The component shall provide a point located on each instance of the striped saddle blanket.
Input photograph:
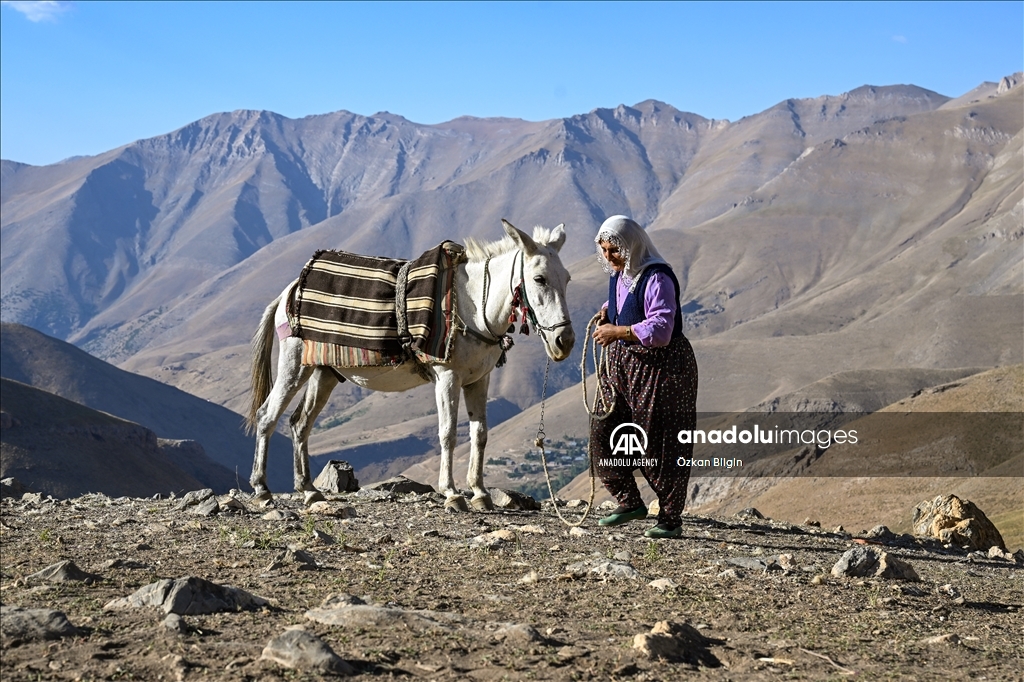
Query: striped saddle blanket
(348, 308)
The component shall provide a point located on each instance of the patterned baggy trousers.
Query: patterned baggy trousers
(655, 388)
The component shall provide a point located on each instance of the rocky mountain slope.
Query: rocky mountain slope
(60, 368)
(64, 449)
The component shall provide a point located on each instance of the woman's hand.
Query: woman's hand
(607, 333)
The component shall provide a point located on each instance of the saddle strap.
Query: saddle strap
(400, 306)
(402, 321)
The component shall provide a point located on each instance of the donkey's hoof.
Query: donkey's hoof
(456, 504)
(311, 496)
(482, 503)
(263, 498)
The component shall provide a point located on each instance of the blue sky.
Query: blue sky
(82, 78)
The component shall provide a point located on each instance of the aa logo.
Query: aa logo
(628, 439)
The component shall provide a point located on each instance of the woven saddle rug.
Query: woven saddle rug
(347, 308)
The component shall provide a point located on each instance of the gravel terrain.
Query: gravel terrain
(383, 585)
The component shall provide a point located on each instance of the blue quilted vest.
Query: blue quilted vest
(633, 307)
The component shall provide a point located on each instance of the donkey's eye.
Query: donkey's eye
(540, 280)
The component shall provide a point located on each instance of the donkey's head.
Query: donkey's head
(544, 280)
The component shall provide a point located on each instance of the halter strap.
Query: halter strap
(526, 301)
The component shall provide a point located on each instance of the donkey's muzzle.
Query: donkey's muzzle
(564, 342)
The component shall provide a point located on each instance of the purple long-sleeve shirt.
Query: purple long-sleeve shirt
(659, 309)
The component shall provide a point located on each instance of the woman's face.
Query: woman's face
(611, 254)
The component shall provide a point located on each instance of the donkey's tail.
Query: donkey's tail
(260, 379)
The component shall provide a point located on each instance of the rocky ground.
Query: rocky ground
(384, 585)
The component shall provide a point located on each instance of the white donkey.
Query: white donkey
(487, 283)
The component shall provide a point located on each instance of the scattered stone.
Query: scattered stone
(575, 504)
(322, 537)
(537, 530)
(207, 507)
(948, 590)
(513, 499)
(325, 508)
(881, 534)
(189, 596)
(293, 556)
(786, 562)
(662, 584)
(190, 499)
(18, 624)
(578, 532)
(749, 514)
(401, 485)
(675, 642)
(384, 539)
(337, 476)
(569, 652)
(863, 562)
(529, 578)
(494, 539)
(175, 624)
(624, 555)
(839, 530)
(334, 601)
(608, 570)
(814, 524)
(609, 505)
(231, 503)
(951, 520)
(301, 650)
(948, 639)
(124, 563)
(995, 552)
(62, 572)
(280, 515)
(518, 632)
(730, 573)
(371, 495)
(432, 533)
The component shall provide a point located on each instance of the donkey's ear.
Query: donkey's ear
(557, 237)
(522, 240)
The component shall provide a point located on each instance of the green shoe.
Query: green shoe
(621, 516)
(662, 531)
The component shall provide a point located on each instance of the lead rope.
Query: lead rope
(539, 442)
(603, 406)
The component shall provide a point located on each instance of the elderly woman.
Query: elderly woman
(650, 381)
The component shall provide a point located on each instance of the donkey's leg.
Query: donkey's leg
(290, 377)
(446, 392)
(318, 390)
(476, 405)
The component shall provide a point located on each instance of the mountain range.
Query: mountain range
(875, 230)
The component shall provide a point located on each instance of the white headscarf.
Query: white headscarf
(635, 248)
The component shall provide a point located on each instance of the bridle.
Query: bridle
(519, 300)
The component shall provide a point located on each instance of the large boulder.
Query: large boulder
(337, 477)
(957, 522)
(868, 562)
